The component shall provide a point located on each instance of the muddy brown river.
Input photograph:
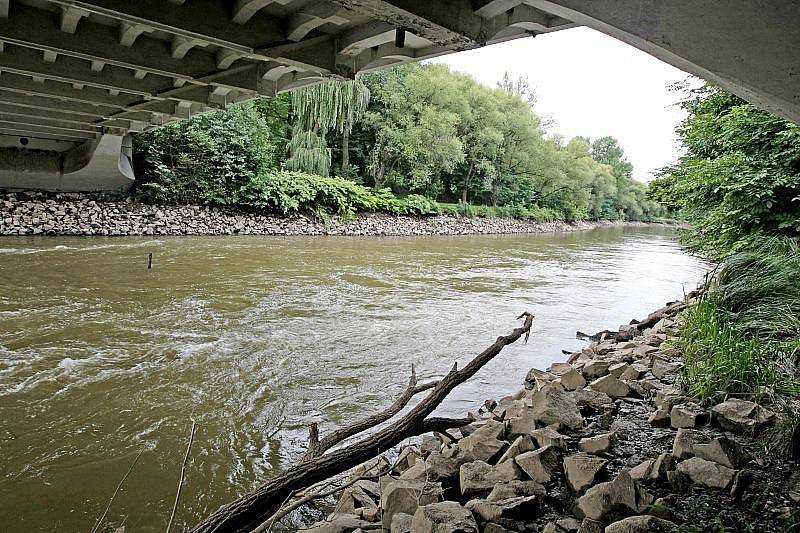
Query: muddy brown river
(255, 337)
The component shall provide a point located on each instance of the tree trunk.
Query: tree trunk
(467, 177)
(345, 148)
(379, 174)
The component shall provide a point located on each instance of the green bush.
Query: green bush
(203, 160)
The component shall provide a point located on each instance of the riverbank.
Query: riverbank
(607, 441)
(76, 214)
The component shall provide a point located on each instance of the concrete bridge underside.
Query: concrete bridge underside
(77, 77)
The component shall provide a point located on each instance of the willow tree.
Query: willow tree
(319, 109)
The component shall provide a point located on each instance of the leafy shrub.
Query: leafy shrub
(203, 160)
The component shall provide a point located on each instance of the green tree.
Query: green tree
(739, 177)
(319, 109)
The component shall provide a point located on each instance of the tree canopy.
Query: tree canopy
(740, 176)
(414, 130)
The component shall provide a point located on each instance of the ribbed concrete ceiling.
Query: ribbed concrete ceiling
(72, 70)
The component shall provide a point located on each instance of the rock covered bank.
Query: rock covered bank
(76, 214)
(605, 442)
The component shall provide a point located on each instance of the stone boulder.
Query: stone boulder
(598, 444)
(549, 436)
(553, 405)
(581, 470)
(524, 507)
(515, 489)
(480, 477)
(688, 415)
(653, 468)
(641, 524)
(596, 368)
(404, 496)
(401, 523)
(722, 450)
(444, 517)
(610, 386)
(572, 380)
(741, 416)
(521, 444)
(686, 440)
(593, 399)
(539, 465)
(707, 473)
(618, 495)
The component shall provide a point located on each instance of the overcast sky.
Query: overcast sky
(593, 85)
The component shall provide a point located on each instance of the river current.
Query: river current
(256, 337)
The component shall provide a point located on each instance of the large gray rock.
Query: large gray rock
(591, 398)
(723, 451)
(598, 444)
(590, 526)
(404, 496)
(480, 477)
(521, 444)
(515, 489)
(611, 386)
(540, 465)
(549, 436)
(641, 524)
(617, 495)
(581, 470)
(485, 442)
(741, 416)
(596, 368)
(553, 405)
(401, 523)
(686, 440)
(524, 507)
(444, 517)
(688, 415)
(653, 468)
(353, 498)
(572, 380)
(707, 473)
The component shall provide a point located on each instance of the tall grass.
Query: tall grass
(743, 337)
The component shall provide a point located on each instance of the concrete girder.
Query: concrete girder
(354, 40)
(205, 20)
(737, 50)
(449, 23)
(377, 56)
(58, 116)
(70, 16)
(44, 133)
(313, 16)
(128, 32)
(30, 27)
(46, 102)
(244, 10)
(59, 125)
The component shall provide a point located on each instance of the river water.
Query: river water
(255, 337)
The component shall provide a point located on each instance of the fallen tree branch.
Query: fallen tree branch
(252, 509)
(318, 447)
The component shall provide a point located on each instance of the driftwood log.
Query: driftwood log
(258, 506)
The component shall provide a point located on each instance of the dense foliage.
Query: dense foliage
(740, 176)
(739, 184)
(405, 134)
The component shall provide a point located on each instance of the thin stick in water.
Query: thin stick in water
(119, 486)
(183, 474)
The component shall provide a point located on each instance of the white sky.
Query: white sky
(590, 84)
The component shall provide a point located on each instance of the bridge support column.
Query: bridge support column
(103, 165)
